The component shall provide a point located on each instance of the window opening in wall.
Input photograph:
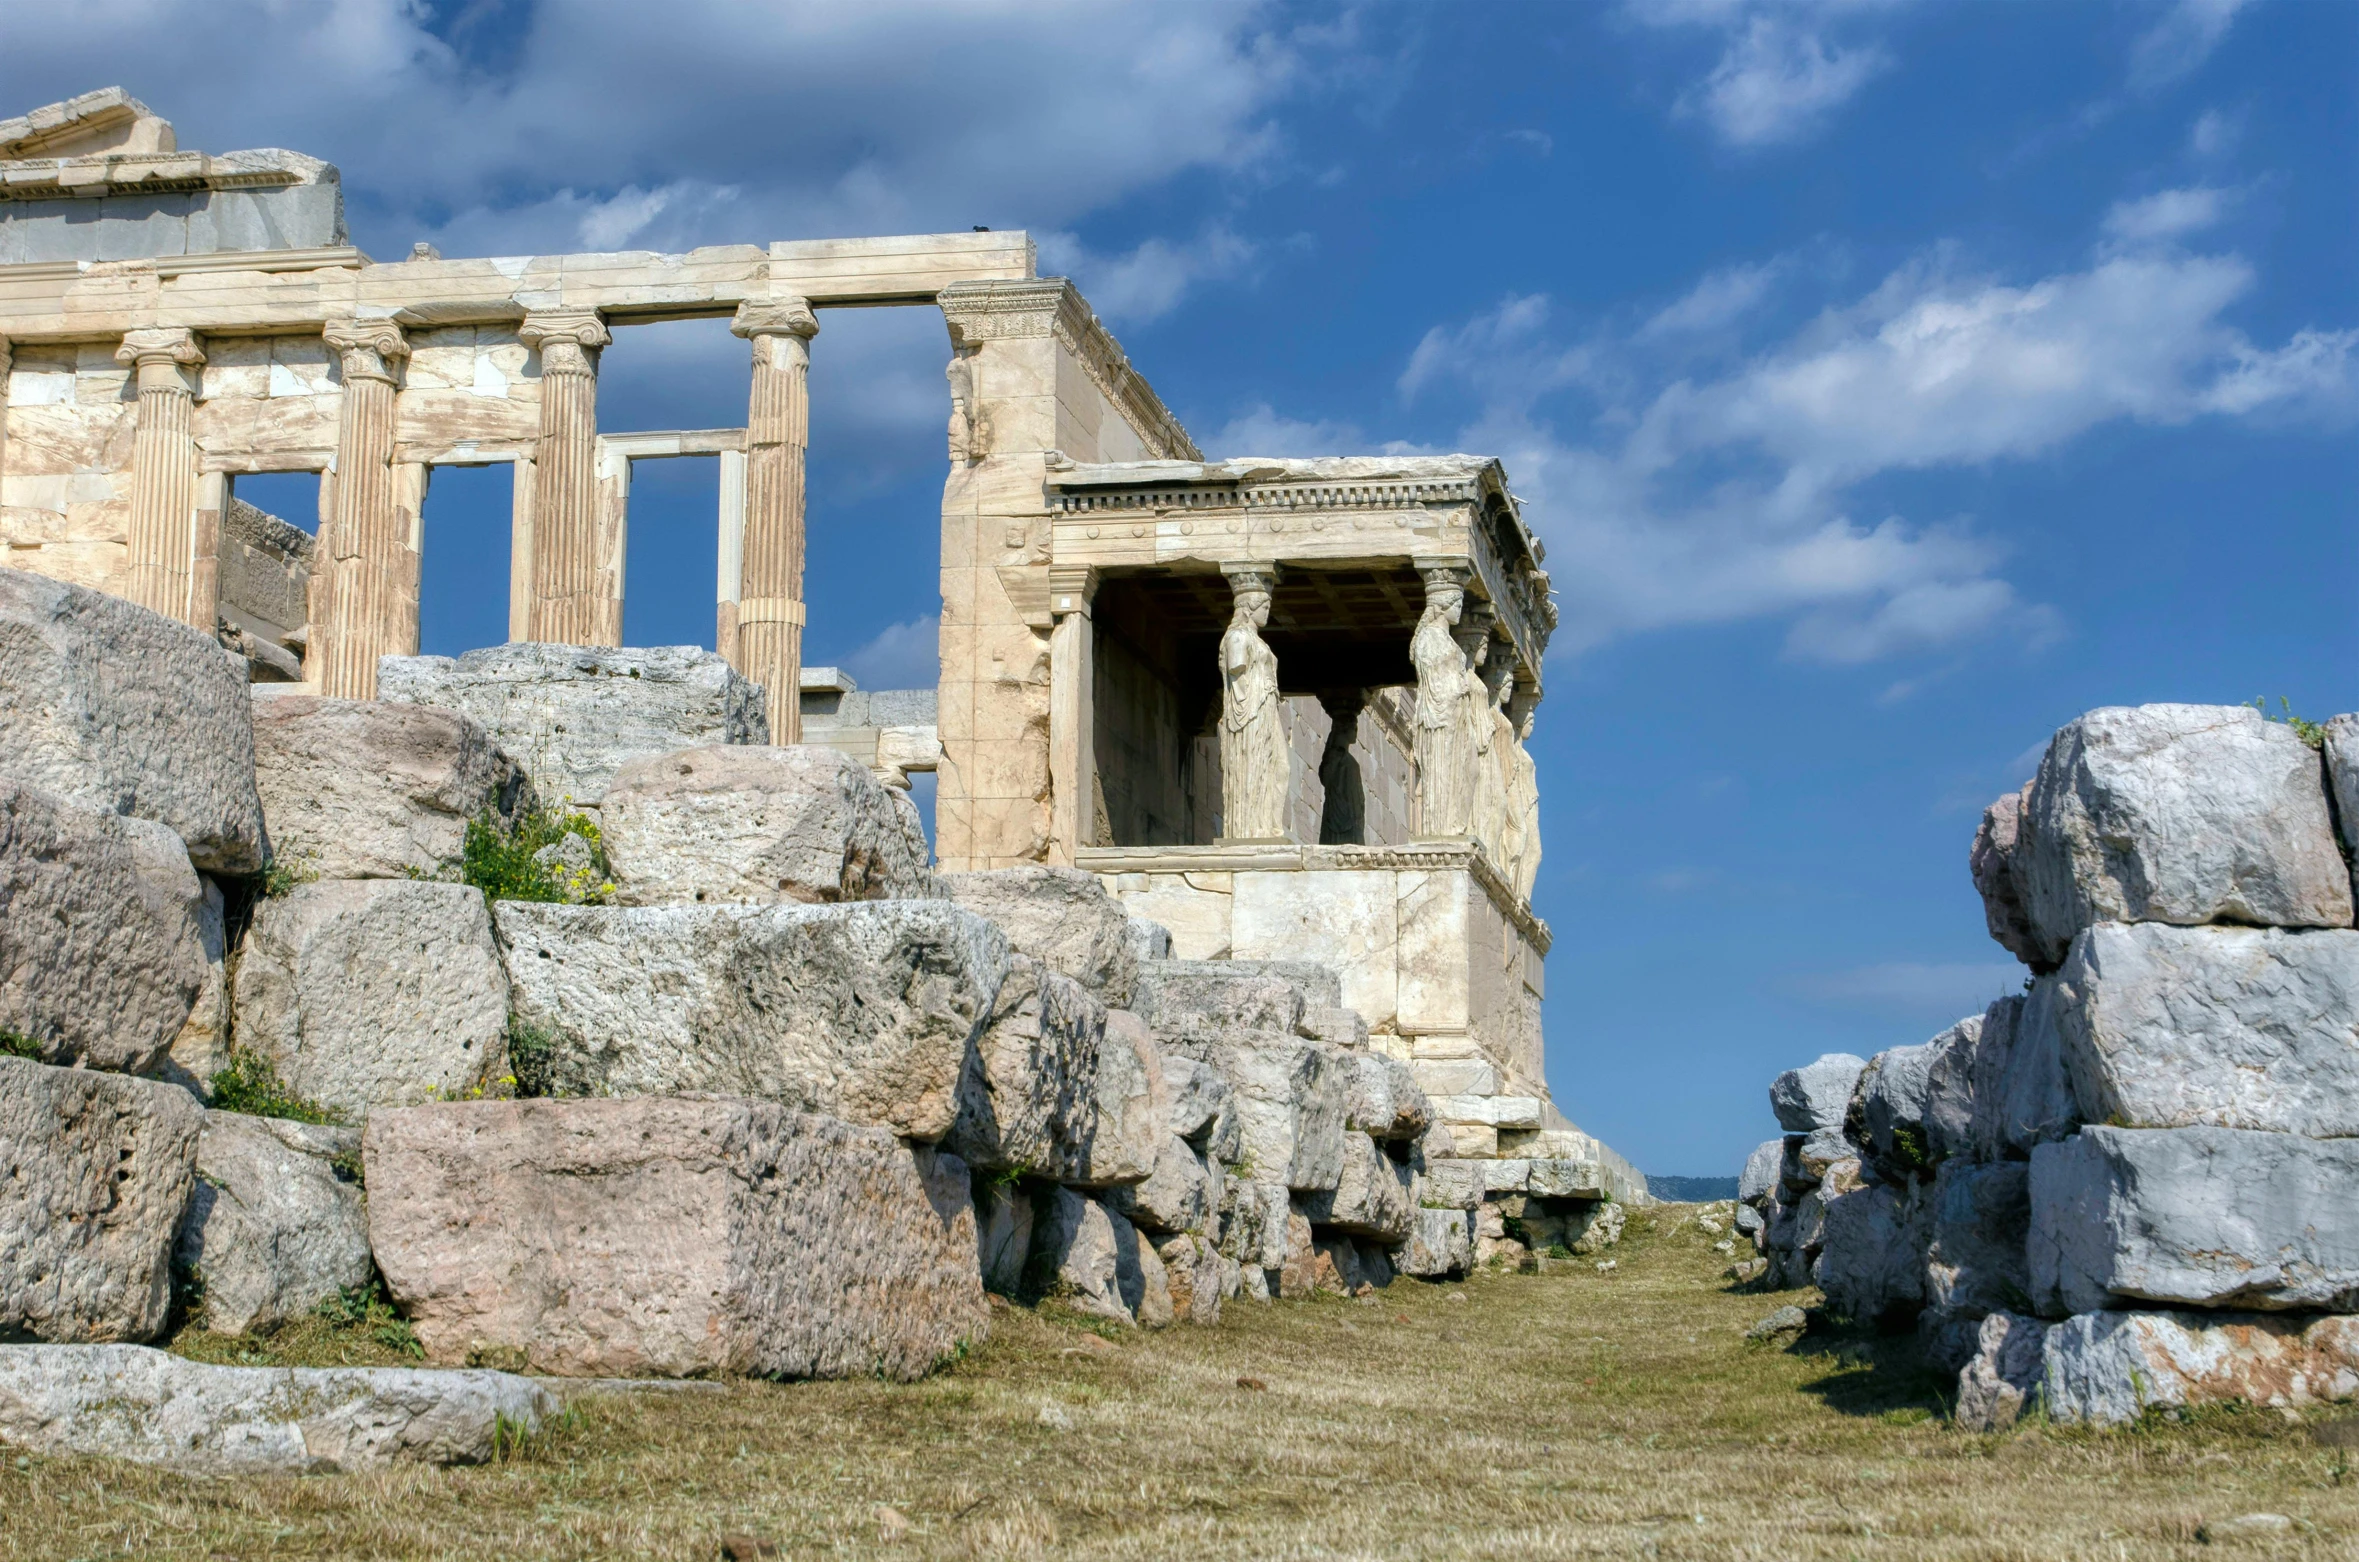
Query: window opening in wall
(671, 552)
(293, 497)
(467, 531)
(266, 555)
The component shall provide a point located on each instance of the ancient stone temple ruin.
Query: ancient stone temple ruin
(1232, 983)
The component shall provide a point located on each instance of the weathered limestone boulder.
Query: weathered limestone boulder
(200, 1049)
(369, 789)
(1183, 1193)
(1290, 1101)
(2010, 1088)
(1217, 998)
(1981, 1222)
(365, 993)
(2205, 1217)
(1199, 1107)
(102, 953)
(1077, 1255)
(745, 825)
(1370, 1199)
(1003, 1234)
(1146, 940)
(1254, 1227)
(2226, 1027)
(1759, 1179)
(1593, 1228)
(2110, 1367)
(2178, 813)
(1061, 917)
(675, 1237)
(1336, 1026)
(1382, 1098)
(1817, 1095)
(1058, 1087)
(273, 1227)
(1140, 1275)
(1197, 1276)
(2342, 779)
(865, 1011)
(1871, 1261)
(1992, 861)
(1998, 1384)
(134, 1402)
(1439, 1245)
(1886, 1118)
(95, 1170)
(125, 711)
(574, 715)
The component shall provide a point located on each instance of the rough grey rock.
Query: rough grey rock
(95, 1170)
(1949, 1089)
(2205, 1217)
(102, 953)
(1216, 998)
(133, 1402)
(1290, 1103)
(1254, 1225)
(1059, 1087)
(2342, 780)
(273, 1228)
(2225, 1027)
(1593, 1228)
(747, 825)
(1336, 1026)
(1076, 1255)
(1370, 1199)
(2108, 1368)
(126, 711)
(2021, 1095)
(201, 1049)
(1823, 1149)
(1817, 1095)
(1139, 1275)
(1200, 1107)
(1781, 1327)
(1003, 1234)
(1382, 1098)
(1146, 940)
(1996, 879)
(1981, 1222)
(1196, 1276)
(865, 1011)
(1440, 1244)
(1871, 1261)
(681, 1237)
(574, 715)
(1886, 1118)
(1061, 917)
(2178, 813)
(370, 789)
(1998, 1384)
(365, 993)
(1760, 1176)
(1183, 1193)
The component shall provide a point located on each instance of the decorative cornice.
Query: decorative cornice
(174, 344)
(1052, 306)
(778, 317)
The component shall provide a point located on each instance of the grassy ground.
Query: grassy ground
(1571, 1413)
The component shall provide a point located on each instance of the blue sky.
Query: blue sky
(1891, 381)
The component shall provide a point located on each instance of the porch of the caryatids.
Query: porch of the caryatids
(1255, 762)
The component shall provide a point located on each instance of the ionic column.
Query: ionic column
(372, 570)
(163, 468)
(769, 639)
(567, 562)
(1072, 699)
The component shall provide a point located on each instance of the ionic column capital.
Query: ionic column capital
(777, 317)
(564, 338)
(175, 345)
(365, 345)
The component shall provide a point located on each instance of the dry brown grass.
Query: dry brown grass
(1564, 1414)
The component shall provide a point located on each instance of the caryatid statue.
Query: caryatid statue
(1486, 788)
(1446, 756)
(1502, 821)
(1523, 790)
(1254, 761)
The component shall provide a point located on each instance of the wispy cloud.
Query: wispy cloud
(2181, 41)
(906, 655)
(1783, 70)
(2166, 214)
(1148, 282)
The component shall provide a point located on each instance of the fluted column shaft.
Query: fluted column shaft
(569, 571)
(163, 468)
(371, 564)
(769, 639)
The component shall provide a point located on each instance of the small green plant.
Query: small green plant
(531, 1053)
(251, 1085)
(504, 861)
(365, 1309)
(284, 874)
(1909, 1148)
(2309, 732)
(17, 1044)
(349, 1168)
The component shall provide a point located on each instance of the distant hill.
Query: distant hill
(1691, 1190)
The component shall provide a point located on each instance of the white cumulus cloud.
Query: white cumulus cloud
(1783, 68)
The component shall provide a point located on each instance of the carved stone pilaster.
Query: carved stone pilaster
(576, 577)
(163, 468)
(769, 618)
(372, 568)
(1072, 703)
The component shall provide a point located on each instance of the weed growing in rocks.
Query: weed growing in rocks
(366, 1309)
(2309, 732)
(548, 854)
(284, 875)
(16, 1044)
(531, 1050)
(251, 1085)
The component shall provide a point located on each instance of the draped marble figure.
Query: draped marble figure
(1478, 738)
(1445, 756)
(1253, 754)
(1523, 795)
(1502, 830)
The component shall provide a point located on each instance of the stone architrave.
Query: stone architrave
(769, 648)
(371, 567)
(163, 469)
(95, 1170)
(1343, 818)
(1255, 765)
(577, 571)
(1446, 761)
(672, 1237)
